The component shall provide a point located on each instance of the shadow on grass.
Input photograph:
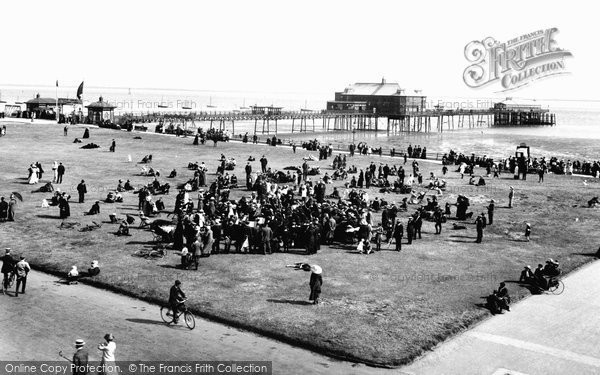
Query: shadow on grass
(593, 255)
(174, 266)
(462, 241)
(460, 236)
(46, 216)
(146, 321)
(289, 301)
(149, 243)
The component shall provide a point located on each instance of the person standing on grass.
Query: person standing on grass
(541, 171)
(82, 190)
(410, 230)
(12, 206)
(66, 130)
(490, 210)
(263, 164)
(479, 226)
(527, 231)
(316, 280)
(113, 146)
(3, 209)
(511, 195)
(22, 270)
(8, 266)
(54, 171)
(60, 171)
(266, 236)
(398, 234)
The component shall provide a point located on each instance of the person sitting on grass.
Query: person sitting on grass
(128, 186)
(527, 276)
(73, 275)
(94, 270)
(173, 174)
(95, 210)
(123, 229)
(499, 300)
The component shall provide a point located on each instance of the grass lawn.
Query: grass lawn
(383, 309)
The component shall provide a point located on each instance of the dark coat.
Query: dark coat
(8, 263)
(80, 361)
(316, 281)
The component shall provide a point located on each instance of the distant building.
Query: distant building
(45, 108)
(380, 98)
(266, 110)
(101, 112)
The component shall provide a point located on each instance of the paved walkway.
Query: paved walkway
(52, 315)
(544, 334)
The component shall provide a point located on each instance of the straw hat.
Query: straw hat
(79, 343)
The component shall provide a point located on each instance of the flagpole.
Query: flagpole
(57, 112)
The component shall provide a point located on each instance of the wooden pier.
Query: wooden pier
(310, 121)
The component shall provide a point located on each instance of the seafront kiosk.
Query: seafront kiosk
(101, 111)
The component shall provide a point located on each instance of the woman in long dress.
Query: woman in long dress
(108, 366)
(33, 175)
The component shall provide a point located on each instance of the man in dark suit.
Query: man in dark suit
(398, 234)
(263, 164)
(479, 225)
(82, 190)
(80, 358)
(3, 209)
(60, 172)
(266, 235)
(8, 265)
(491, 212)
(410, 230)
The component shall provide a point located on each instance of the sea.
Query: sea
(576, 134)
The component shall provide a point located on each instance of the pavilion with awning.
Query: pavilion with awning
(45, 108)
(100, 111)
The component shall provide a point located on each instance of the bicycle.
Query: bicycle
(166, 313)
(10, 282)
(555, 286)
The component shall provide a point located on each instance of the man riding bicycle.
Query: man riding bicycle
(8, 266)
(176, 298)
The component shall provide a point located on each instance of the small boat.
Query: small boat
(186, 107)
(210, 104)
(305, 109)
(162, 105)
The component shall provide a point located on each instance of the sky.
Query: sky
(283, 46)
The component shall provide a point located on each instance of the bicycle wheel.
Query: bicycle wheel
(11, 281)
(190, 321)
(557, 288)
(166, 314)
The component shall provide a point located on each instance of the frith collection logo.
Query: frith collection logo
(515, 63)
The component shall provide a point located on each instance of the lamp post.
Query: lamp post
(353, 133)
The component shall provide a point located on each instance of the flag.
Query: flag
(80, 91)
(56, 83)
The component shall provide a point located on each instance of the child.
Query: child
(378, 237)
(527, 231)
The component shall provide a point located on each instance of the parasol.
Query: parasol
(18, 195)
